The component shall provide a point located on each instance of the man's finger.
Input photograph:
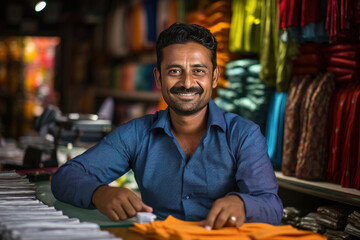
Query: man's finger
(208, 223)
(232, 220)
(120, 213)
(221, 219)
(112, 215)
(139, 205)
(129, 209)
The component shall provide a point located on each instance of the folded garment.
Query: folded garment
(329, 222)
(309, 222)
(335, 211)
(350, 229)
(354, 219)
(172, 228)
(337, 235)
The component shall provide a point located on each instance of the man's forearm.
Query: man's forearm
(72, 185)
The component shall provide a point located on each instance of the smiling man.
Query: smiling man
(193, 160)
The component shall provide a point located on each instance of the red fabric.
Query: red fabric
(348, 163)
(341, 71)
(338, 118)
(345, 78)
(311, 60)
(341, 20)
(351, 55)
(310, 12)
(299, 13)
(335, 61)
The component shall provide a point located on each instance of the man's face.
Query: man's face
(187, 77)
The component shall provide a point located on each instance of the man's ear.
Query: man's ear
(216, 75)
(157, 77)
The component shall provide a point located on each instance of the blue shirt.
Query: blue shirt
(231, 158)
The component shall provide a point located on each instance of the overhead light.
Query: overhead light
(40, 6)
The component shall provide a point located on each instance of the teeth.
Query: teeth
(186, 94)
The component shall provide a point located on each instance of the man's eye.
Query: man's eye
(174, 72)
(199, 72)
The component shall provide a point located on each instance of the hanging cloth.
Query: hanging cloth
(313, 144)
(348, 158)
(292, 126)
(245, 26)
(337, 118)
(276, 53)
(275, 128)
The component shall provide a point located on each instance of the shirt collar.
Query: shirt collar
(216, 118)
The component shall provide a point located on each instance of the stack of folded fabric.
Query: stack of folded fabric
(335, 235)
(291, 216)
(309, 61)
(245, 94)
(333, 216)
(353, 226)
(172, 228)
(308, 222)
(343, 60)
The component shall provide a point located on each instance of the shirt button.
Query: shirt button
(187, 197)
(187, 167)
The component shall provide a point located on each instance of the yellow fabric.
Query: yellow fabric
(172, 228)
(245, 26)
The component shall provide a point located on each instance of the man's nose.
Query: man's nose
(188, 80)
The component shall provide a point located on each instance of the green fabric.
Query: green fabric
(277, 49)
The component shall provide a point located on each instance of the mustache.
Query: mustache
(176, 90)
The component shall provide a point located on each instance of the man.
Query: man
(193, 161)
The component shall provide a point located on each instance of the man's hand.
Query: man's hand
(118, 203)
(228, 211)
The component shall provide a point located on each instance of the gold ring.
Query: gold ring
(232, 219)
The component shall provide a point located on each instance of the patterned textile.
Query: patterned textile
(313, 142)
(296, 93)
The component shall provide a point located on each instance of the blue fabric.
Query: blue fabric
(151, 9)
(230, 159)
(275, 128)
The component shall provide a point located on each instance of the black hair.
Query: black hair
(181, 33)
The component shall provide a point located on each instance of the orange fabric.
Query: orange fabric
(172, 228)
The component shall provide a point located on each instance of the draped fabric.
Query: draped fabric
(344, 162)
(277, 48)
(293, 123)
(245, 26)
(343, 20)
(313, 145)
(275, 128)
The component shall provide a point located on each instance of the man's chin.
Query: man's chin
(187, 111)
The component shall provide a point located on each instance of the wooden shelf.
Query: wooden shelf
(326, 190)
(129, 95)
